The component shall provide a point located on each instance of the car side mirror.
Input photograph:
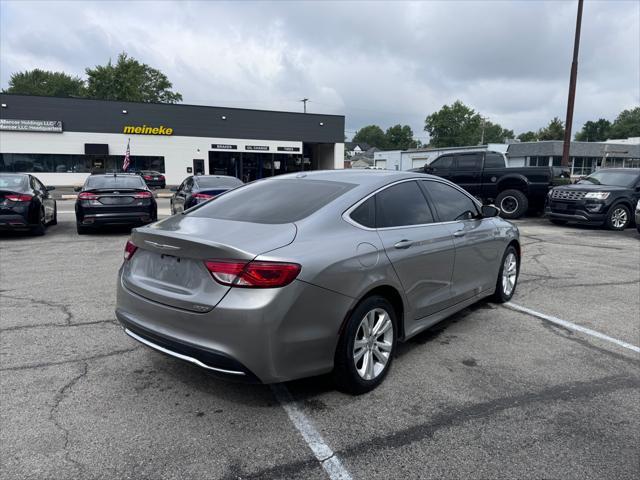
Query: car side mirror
(49, 188)
(173, 189)
(428, 169)
(77, 189)
(490, 211)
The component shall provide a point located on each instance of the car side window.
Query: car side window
(36, 185)
(365, 214)
(443, 162)
(494, 160)
(401, 205)
(450, 203)
(188, 184)
(470, 161)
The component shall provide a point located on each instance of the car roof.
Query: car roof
(363, 177)
(625, 170)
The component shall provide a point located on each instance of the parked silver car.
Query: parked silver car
(314, 272)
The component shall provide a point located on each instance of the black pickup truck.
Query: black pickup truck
(485, 175)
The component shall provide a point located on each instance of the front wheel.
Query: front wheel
(512, 204)
(54, 220)
(365, 349)
(618, 218)
(41, 226)
(508, 276)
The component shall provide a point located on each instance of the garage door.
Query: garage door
(381, 163)
(418, 162)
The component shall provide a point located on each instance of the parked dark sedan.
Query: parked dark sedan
(606, 197)
(153, 179)
(25, 204)
(114, 199)
(200, 188)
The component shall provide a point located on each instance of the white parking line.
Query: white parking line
(329, 461)
(572, 326)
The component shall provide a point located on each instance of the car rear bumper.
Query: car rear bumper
(270, 335)
(14, 222)
(120, 218)
(156, 183)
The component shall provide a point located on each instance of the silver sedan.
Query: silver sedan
(315, 272)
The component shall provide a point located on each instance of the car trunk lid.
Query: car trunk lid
(169, 265)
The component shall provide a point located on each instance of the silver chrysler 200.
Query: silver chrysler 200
(315, 272)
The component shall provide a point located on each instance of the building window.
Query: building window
(582, 166)
(52, 163)
(557, 161)
(539, 161)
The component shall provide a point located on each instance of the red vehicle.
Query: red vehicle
(153, 179)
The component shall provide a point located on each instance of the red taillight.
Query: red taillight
(143, 195)
(202, 196)
(147, 177)
(129, 249)
(87, 196)
(18, 197)
(255, 274)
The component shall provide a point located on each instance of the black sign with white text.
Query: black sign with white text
(262, 148)
(225, 146)
(288, 149)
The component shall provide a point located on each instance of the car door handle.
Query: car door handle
(403, 244)
(460, 233)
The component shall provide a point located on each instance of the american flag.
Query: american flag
(127, 160)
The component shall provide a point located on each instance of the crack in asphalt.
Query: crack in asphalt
(64, 362)
(454, 417)
(57, 399)
(57, 325)
(64, 308)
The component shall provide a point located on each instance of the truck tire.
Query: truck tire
(512, 204)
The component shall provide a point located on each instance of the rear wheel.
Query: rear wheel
(512, 203)
(365, 349)
(618, 218)
(40, 228)
(507, 276)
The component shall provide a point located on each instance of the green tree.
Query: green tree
(399, 137)
(553, 131)
(43, 82)
(597, 131)
(494, 133)
(627, 124)
(528, 136)
(453, 126)
(129, 80)
(371, 134)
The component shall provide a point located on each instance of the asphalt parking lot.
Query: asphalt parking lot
(490, 393)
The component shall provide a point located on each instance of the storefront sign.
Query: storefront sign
(48, 126)
(262, 148)
(288, 149)
(219, 146)
(148, 130)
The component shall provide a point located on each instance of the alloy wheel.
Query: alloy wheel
(619, 218)
(373, 344)
(509, 273)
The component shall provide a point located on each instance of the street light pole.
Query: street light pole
(572, 90)
(304, 101)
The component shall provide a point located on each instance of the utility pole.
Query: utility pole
(304, 101)
(572, 90)
(482, 135)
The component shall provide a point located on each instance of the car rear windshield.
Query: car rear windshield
(212, 182)
(15, 183)
(110, 181)
(273, 201)
(617, 178)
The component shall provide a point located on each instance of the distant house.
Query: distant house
(355, 148)
(361, 161)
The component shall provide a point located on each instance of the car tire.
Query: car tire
(81, 229)
(555, 221)
(351, 371)
(41, 227)
(618, 217)
(506, 284)
(54, 220)
(512, 204)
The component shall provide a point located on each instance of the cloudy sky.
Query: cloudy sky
(375, 62)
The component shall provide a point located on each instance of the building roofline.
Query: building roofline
(190, 105)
